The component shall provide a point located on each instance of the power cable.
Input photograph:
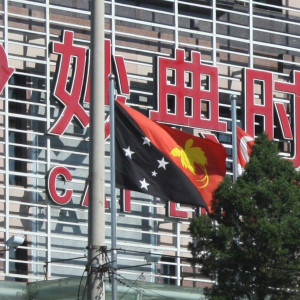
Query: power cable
(130, 287)
(79, 287)
(100, 269)
(146, 289)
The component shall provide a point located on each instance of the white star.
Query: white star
(162, 163)
(144, 184)
(128, 152)
(146, 141)
(154, 173)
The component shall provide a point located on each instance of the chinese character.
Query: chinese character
(72, 89)
(188, 93)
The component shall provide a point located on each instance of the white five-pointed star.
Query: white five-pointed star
(146, 141)
(154, 173)
(128, 152)
(162, 163)
(144, 184)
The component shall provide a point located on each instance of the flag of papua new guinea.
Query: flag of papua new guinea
(171, 164)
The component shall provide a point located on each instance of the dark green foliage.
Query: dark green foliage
(250, 243)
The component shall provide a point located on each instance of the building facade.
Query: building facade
(246, 48)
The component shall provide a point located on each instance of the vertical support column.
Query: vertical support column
(113, 27)
(178, 260)
(113, 187)
(176, 24)
(6, 139)
(96, 213)
(214, 28)
(251, 34)
(233, 99)
(177, 223)
(153, 226)
(48, 241)
(114, 257)
(48, 151)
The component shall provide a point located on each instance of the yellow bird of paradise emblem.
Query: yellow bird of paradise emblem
(189, 156)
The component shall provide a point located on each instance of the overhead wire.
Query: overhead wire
(144, 288)
(106, 268)
(129, 287)
(79, 287)
(101, 269)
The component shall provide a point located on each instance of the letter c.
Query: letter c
(64, 198)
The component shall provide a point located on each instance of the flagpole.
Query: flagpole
(96, 213)
(113, 187)
(233, 99)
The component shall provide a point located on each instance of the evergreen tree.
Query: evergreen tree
(250, 243)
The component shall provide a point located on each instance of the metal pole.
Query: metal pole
(175, 7)
(96, 216)
(251, 34)
(178, 259)
(233, 99)
(113, 188)
(214, 26)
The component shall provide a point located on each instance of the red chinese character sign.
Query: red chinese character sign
(69, 94)
(73, 90)
(5, 71)
(187, 96)
(294, 90)
(259, 101)
(184, 88)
